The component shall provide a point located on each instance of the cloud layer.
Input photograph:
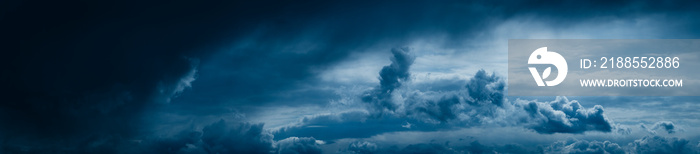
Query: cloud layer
(94, 76)
(394, 107)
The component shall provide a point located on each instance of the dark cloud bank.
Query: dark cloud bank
(81, 76)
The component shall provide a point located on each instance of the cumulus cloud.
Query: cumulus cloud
(667, 126)
(480, 100)
(660, 144)
(564, 116)
(391, 77)
(485, 89)
(583, 146)
(296, 145)
(363, 147)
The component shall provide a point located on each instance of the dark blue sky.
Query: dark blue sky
(320, 77)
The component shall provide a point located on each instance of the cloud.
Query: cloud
(168, 91)
(277, 53)
(96, 72)
(667, 126)
(295, 145)
(660, 144)
(218, 137)
(355, 124)
(476, 147)
(564, 116)
(480, 100)
(646, 144)
(407, 125)
(427, 148)
(485, 89)
(239, 138)
(394, 103)
(363, 147)
(186, 141)
(227, 137)
(93, 111)
(390, 78)
(583, 146)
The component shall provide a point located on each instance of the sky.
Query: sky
(320, 77)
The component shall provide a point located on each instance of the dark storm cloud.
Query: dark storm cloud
(244, 138)
(292, 42)
(441, 110)
(484, 96)
(219, 137)
(390, 78)
(293, 47)
(223, 137)
(80, 70)
(86, 72)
